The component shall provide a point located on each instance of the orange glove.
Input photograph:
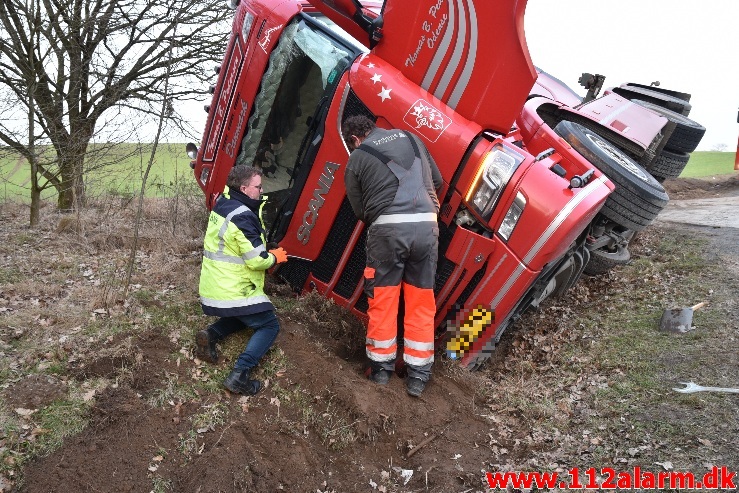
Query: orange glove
(280, 255)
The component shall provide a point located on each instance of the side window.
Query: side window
(303, 64)
(301, 67)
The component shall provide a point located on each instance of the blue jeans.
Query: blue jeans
(265, 326)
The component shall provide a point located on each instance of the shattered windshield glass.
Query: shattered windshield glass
(303, 64)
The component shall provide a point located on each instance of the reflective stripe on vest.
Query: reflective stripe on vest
(381, 344)
(413, 360)
(254, 252)
(419, 346)
(418, 217)
(224, 226)
(222, 257)
(234, 303)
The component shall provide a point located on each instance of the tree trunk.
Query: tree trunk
(35, 206)
(71, 166)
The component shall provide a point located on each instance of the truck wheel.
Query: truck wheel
(638, 197)
(687, 134)
(603, 260)
(664, 100)
(668, 165)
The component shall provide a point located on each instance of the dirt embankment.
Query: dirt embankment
(155, 419)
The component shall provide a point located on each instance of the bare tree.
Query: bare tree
(74, 64)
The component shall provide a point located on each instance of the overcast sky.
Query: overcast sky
(689, 46)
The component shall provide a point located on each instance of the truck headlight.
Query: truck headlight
(204, 174)
(495, 171)
(512, 216)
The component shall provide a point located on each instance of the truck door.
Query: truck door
(303, 71)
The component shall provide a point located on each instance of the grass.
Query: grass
(40, 433)
(118, 171)
(704, 164)
(616, 373)
(115, 169)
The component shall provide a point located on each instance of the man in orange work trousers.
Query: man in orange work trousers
(391, 183)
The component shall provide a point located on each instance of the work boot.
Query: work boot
(414, 386)
(238, 382)
(380, 376)
(206, 347)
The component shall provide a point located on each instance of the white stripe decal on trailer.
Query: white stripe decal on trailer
(464, 79)
(441, 52)
(456, 55)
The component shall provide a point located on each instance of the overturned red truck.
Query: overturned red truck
(540, 185)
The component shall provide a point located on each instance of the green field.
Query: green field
(118, 170)
(705, 164)
(114, 170)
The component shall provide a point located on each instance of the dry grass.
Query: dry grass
(589, 379)
(586, 380)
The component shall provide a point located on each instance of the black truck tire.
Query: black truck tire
(668, 165)
(638, 197)
(664, 100)
(602, 260)
(687, 134)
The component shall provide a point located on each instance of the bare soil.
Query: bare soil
(157, 420)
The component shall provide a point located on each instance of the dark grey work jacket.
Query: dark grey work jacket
(372, 186)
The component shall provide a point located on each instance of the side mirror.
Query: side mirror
(191, 150)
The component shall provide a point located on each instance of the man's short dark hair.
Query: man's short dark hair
(241, 175)
(358, 125)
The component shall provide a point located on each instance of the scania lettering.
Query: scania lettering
(311, 215)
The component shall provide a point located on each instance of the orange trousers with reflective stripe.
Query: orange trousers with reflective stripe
(401, 258)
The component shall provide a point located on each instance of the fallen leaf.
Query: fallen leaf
(667, 465)
(87, 396)
(406, 474)
(25, 412)
(38, 431)
(707, 443)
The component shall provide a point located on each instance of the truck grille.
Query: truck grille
(354, 269)
(471, 285)
(325, 265)
(295, 273)
(354, 106)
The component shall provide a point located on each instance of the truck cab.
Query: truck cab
(521, 205)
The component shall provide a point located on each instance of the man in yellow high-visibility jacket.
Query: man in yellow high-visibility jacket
(235, 259)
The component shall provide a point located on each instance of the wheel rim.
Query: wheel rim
(619, 157)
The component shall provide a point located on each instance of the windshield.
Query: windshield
(302, 66)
